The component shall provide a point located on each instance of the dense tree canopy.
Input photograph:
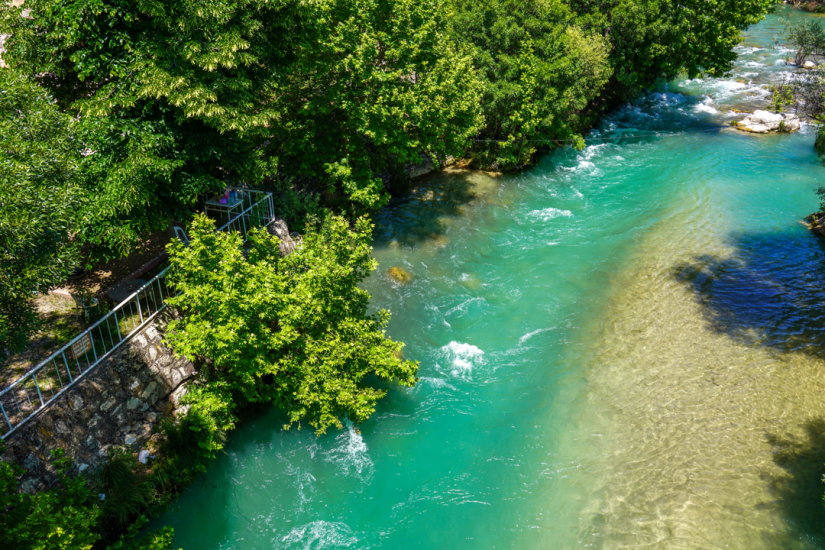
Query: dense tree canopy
(540, 71)
(330, 92)
(652, 39)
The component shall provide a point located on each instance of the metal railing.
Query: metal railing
(259, 213)
(35, 390)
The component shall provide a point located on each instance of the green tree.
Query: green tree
(540, 71)
(291, 331)
(652, 39)
(39, 202)
(325, 93)
(809, 39)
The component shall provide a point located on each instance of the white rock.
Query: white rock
(143, 456)
(763, 122)
(809, 65)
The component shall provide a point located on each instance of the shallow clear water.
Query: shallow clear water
(621, 347)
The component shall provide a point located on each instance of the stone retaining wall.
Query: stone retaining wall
(119, 403)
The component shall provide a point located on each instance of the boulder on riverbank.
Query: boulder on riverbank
(763, 122)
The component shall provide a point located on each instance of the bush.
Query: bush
(809, 39)
(72, 514)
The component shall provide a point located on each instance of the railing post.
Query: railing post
(140, 311)
(92, 340)
(63, 353)
(57, 372)
(2, 408)
(36, 385)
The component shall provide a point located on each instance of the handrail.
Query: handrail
(91, 347)
(65, 367)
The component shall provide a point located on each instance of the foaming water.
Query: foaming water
(620, 348)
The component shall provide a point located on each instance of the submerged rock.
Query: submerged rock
(399, 275)
(816, 223)
(763, 122)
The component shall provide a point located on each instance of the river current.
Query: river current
(621, 347)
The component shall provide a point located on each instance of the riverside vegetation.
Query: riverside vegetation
(806, 93)
(118, 114)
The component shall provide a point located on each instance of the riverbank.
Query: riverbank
(811, 6)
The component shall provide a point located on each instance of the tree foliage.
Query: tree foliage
(809, 39)
(39, 201)
(806, 93)
(60, 518)
(328, 91)
(549, 67)
(292, 331)
(71, 515)
(652, 39)
(539, 69)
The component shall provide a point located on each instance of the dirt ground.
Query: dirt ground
(104, 276)
(62, 321)
(60, 324)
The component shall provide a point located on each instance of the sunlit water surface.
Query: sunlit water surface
(620, 348)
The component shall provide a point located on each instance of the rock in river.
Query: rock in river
(399, 275)
(763, 122)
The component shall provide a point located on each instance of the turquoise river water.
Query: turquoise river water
(621, 347)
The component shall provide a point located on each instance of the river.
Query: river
(621, 347)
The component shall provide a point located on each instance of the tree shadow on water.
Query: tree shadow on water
(799, 491)
(422, 214)
(770, 291)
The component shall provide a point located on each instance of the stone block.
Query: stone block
(149, 389)
(133, 403)
(108, 404)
